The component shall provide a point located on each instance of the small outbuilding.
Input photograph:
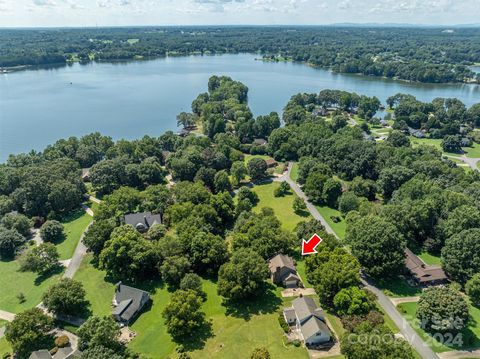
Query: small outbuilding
(86, 174)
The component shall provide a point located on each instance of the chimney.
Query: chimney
(145, 220)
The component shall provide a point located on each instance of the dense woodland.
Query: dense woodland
(392, 196)
(424, 55)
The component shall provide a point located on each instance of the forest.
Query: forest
(429, 55)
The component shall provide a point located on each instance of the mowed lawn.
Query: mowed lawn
(339, 227)
(472, 331)
(282, 206)
(14, 282)
(99, 292)
(74, 227)
(4, 347)
(473, 151)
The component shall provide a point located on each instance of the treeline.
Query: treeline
(422, 55)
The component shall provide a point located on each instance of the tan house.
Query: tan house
(422, 273)
(282, 271)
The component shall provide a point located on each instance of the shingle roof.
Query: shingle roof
(130, 301)
(63, 353)
(147, 219)
(40, 354)
(280, 260)
(313, 326)
(304, 307)
(422, 272)
(289, 314)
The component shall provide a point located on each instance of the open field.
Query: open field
(473, 152)
(74, 227)
(282, 206)
(14, 282)
(4, 347)
(398, 287)
(470, 335)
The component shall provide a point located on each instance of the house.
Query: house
(283, 271)
(259, 142)
(422, 273)
(466, 142)
(384, 123)
(309, 321)
(86, 174)
(271, 163)
(142, 221)
(62, 353)
(416, 133)
(128, 302)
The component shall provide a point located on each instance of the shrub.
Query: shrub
(283, 323)
(52, 231)
(62, 341)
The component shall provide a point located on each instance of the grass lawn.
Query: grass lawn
(282, 206)
(4, 347)
(473, 151)
(429, 259)
(74, 227)
(398, 287)
(13, 282)
(408, 310)
(247, 158)
(339, 227)
(99, 292)
(294, 172)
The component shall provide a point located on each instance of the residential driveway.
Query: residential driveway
(6, 315)
(407, 331)
(78, 255)
(460, 354)
(397, 301)
(296, 292)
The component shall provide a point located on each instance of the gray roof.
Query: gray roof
(313, 326)
(280, 260)
(40, 354)
(260, 141)
(129, 301)
(292, 276)
(63, 353)
(147, 219)
(304, 307)
(289, 314)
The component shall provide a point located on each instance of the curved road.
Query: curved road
(407, 331)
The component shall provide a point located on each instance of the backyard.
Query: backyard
(74, 226)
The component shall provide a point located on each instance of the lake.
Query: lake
(131, 99)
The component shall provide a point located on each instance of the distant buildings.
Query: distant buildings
(422, 273)
(259, 142)
(416, 133)
(309, 322)
(271, 163)
(283, 271)
(128, 302)
(142, 221)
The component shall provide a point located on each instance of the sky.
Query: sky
(47, 13)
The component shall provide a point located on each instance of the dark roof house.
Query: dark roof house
(283, 271)
(128, 302)
(422, 273)
(309, 321)
(62, 353)
(271, 162)
(142, 221)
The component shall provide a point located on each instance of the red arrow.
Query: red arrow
(309, 247)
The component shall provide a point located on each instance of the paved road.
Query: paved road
(6, 315)
(78, 255)
(407, 331)
(471, 161)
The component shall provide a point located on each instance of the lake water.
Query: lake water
(129, 100)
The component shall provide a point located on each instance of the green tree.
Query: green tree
(99, 331)
(208, 252)
(243, 275)
(129, 256)
(98, 234)
(185, 119)
(257, 168)
(42, 259)
(314, 187)
(282, 190)
(452, 143)
(64, 196)
(174, 268)
(391, 178)
(460, 255)
(299, 205)
(352, 301)
(156, 232)
(442, 309)
(348, 202)
(17, 222)
(332, 190)
(182, 315)
(398, 139)
(238, 172)
(29, 331)
(247, 193)
(222, 182)
(364, 188)
(378, 245)
(65, 297)
(52, 231)
(10, 242)
(472, 288)
(100, 352)
(192, 281)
